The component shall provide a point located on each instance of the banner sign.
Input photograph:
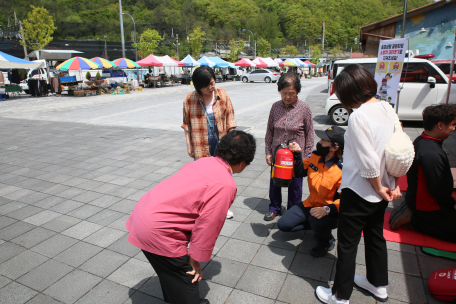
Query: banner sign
(390, 60)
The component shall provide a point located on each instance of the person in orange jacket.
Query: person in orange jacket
(323, 169)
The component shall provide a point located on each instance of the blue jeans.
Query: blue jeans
(294, 195)
(212, 140)
(299, 218)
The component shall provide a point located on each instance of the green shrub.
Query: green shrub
(98, 76)
(88, 75)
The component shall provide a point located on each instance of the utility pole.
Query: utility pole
(106, 49)
(177, 46)
(134, 28)
(323, 35)
(121, 29)
(404, 17)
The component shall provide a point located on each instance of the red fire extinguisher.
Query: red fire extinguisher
(282, 165)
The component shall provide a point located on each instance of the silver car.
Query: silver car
(261, 75)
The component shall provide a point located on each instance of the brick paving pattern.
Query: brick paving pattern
(66, 190)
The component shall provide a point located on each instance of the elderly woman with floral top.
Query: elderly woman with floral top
(289, 118)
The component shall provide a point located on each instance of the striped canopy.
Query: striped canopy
(103, 62)
(77, 63)
(288, 62)
(260, 62)
(150, 60)
(244, 62)
(311, 64)
(206, 61)
(125, 63)
(190, 62)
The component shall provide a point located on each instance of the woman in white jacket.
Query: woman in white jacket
(366, 188)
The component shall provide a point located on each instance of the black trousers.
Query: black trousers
(357, 215)
(298, 218)
(176, 284)
(440, 224)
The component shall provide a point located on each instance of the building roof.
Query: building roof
(371, 34)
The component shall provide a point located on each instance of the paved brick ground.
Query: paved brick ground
(66, 190)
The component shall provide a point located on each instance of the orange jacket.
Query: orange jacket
(323, 181)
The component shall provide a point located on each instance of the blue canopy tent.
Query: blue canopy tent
(220, 63)
(11, 62)
(190, 62)
(206, 61)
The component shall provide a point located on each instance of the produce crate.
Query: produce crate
(77, 93)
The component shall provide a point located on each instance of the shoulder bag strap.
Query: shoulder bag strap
(208, 121)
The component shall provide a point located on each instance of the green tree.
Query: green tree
(148, 43)
(88, 75)
(235, 50)
(263, 47)
(315, 53)
(197, 37)
(37, 28)
(336, 52)
(289, 51)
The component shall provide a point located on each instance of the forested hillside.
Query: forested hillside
(278, 21)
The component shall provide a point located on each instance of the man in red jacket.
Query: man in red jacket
(430, 182)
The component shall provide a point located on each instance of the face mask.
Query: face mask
(323, 151)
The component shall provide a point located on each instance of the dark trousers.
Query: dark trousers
(294, 194)
(357, 215)
(299, 218)
(440, 224)
(175, 283)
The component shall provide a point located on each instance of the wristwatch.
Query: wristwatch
(327, 209)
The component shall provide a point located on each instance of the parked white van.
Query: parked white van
(423, 84)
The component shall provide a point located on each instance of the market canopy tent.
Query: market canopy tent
(311, 64)
(168, 61)
(103, 62)
(245, 63)
(206, 61)
(11, 62)
(190, 62)
(220, 63)
(265, 62)
(125, 63)
(77, 63)
(303, 64)
(287, 63)
(150, 60)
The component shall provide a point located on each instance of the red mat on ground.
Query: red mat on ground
(413, 237)
(402, 181)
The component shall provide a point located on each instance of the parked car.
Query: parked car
(423, 83)
(445, 66)
(261, 75)
(110, 73)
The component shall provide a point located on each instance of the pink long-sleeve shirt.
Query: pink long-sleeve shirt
(190, 206)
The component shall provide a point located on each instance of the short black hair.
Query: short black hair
(236, 147)
(434, 114)
(202, 77)
(289, 79)
(355, 85)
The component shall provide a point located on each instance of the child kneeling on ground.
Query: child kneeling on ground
(320, 210)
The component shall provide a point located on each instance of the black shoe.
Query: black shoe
(319, 251)
(271, 215)
(204, 301)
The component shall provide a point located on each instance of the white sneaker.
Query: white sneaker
(230, 214)
(325, 295)
(378, 293)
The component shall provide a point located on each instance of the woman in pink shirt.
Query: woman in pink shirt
(189, 207)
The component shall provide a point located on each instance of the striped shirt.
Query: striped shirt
(294, 121)
(195, 120)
